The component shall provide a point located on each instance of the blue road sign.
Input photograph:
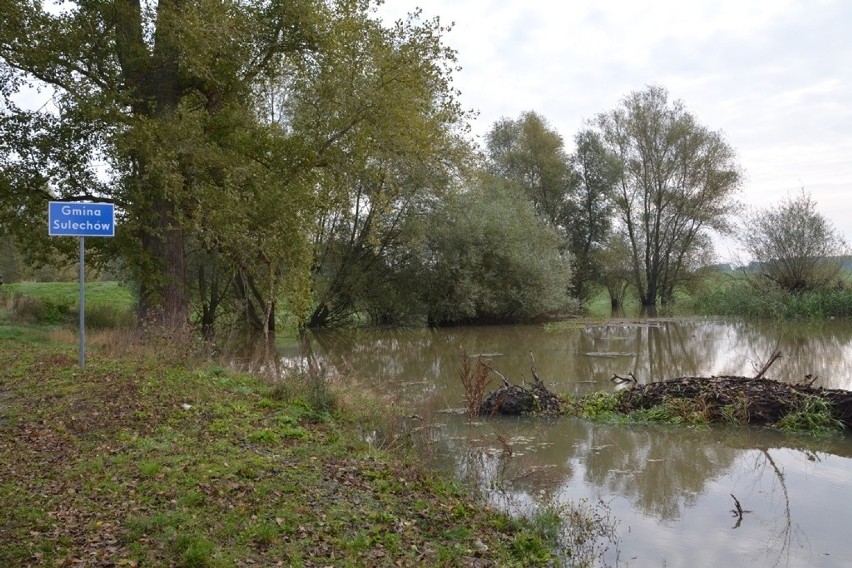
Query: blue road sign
(80, 219)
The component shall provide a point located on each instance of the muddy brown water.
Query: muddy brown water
(666, 492)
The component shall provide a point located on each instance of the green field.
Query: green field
(735, 294)
(113, 294)
(108, 304)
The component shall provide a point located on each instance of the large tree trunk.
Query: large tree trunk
(163, 299)
(153, 81)
(211, 290)
(648, 295)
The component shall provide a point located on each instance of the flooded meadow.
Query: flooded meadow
(661, 495)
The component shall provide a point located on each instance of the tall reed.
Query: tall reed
(474, 378)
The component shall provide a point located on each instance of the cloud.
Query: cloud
(774, 75)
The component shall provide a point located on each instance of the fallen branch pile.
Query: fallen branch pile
(754, 400)
(515, 400)
(726, 399)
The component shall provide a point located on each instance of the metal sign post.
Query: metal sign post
(82, 302)
(67, 219)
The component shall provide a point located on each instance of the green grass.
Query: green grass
(732, 294)
(108, 304)
(735, 295)
(97, 293)
(599, 306)
(144, 460)
(813, 416)
(22, 334)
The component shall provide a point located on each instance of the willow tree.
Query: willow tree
(151, 109)
(793, 245)
(490, 258)
(384, 95)
(587, 218)
(677, 181)
(572, 193)
(531, 154)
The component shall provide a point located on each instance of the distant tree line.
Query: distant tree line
(273, 159)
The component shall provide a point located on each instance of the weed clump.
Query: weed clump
(46, 311)
(475, 377)
(813, 415)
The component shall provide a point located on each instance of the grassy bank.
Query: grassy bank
(142, 461)
(743, 300)
(108, 304)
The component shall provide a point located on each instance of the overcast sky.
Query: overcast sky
(775, 76)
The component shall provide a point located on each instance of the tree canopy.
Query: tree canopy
(677, 181)
(587, 218)
(390, 91)
(243, 142)
(793, 245)
(530, 154)
(489, 258)
(303, 157)
(151, 110)
(572, 193)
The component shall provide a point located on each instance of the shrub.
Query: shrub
(490, 259)
(794, 246)
(40, 310)
(599, 405)
(108, 317)
(474, 378)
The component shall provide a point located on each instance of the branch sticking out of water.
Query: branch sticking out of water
(738, 512)
(532, 368)
(507, 447)
(618, 379)
(775, 356)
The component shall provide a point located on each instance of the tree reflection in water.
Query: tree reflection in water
(670, 486)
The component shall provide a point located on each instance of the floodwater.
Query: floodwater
(662, 496)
